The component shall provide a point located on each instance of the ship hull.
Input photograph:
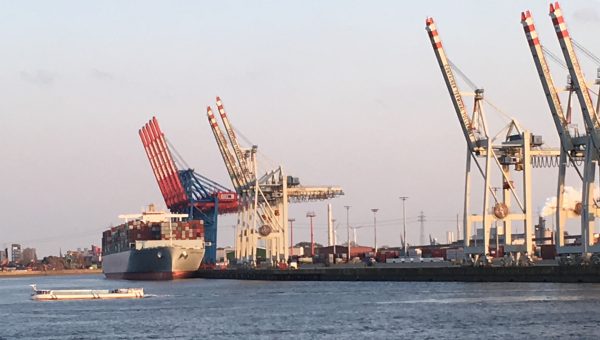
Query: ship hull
(155, 263)
(150, 276)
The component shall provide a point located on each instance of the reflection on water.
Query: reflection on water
(197, 308)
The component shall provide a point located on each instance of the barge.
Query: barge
(85, 294)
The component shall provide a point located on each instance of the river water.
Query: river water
(222, 309)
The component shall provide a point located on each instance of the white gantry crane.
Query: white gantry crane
(573, 146)
(519, 149)
(263, 211)
(589, 209)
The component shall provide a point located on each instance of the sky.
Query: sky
(344, 93)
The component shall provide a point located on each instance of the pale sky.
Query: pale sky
(340, 92)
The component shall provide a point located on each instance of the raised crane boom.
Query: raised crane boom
(263, 214)
(162, 164)
(158, 173)
(457, 100)
(561, 123)
(234, 173)
(239, 155)
(592, 127)
(583, 95)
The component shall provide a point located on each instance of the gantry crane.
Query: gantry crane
(186, 191)
(573, 147)
(592, 125)
(263, 210)
(518, 149)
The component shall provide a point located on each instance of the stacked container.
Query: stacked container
(123, 237)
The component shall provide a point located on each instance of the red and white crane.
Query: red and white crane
(234, 173)
(592, 124)
(581, 89)
(473, 142)
(263, 210)
(162, 164)
(572, 147)
(240, 156)
(185, 191)
(519, 149)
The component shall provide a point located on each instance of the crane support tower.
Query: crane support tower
(573, 148)
(589, 209)
(186, 191)
(264, 199)
(519, 149)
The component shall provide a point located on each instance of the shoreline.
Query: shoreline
(65, 272)
(563, 274)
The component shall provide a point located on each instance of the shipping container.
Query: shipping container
(123, 237)
(455, 254)
(548, 251)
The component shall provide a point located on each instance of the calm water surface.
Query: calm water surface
(221, 309)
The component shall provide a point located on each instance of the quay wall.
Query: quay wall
(573, 274)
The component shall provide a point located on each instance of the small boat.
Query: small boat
(86, 294)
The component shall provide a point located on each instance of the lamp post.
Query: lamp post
(310, 215)
(348, 229)
(375, 210)
(404, 198)
(291, 220)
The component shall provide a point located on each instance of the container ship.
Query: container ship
(153, 245)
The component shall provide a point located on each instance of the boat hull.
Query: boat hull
(162, 262)
(90, 297)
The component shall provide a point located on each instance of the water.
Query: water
(222, 309)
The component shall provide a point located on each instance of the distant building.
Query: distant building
(306, 247)
(83, 258)
(29, 255)
(15, 253)
(223, 254)
(4, 256)
(342, 251)
(96, 251)
(296, 251)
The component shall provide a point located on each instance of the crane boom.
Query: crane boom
(583, 95)
(457, 100)
(153, 163)
(157, 162)
(234, 173)
(162, 164)
(177, 191)
(300, 194)
(239, 155)
(543, 70)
